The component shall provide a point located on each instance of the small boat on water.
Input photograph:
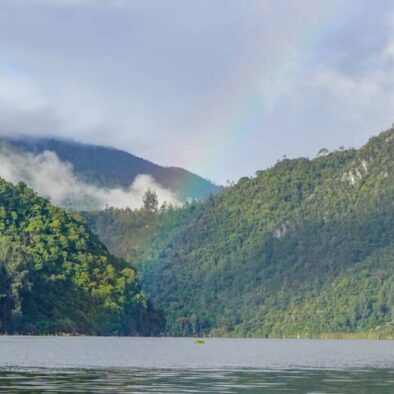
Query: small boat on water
(199, 342)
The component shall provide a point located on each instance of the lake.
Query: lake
(178, 365)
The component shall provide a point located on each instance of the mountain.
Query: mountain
(110, 167)
(305, 248)
(57, 277)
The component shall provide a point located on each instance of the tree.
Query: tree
(13, 282)
(56, 276)
(322, 152)
(150, 200)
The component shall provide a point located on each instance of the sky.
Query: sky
(220, 87)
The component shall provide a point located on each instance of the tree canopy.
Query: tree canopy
(303, 248)
(57, 277)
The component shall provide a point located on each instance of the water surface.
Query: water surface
(169, 365)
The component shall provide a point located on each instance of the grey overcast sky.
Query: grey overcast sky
(220, 87)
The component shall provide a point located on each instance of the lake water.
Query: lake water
(170, 365)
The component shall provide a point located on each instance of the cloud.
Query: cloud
(50, 177)
(67, 3)
(22, 106)
(144, 75)
(364, 96)
(339, 92)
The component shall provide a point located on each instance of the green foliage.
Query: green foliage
(150, 201)
(56, 277)
(304, 248)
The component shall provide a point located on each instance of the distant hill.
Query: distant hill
(305, 248)
(57, 277)
(110, 167)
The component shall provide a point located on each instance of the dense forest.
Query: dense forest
(305, 248)
(57, 277)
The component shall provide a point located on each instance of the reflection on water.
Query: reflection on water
(178, 365)
(197, 381)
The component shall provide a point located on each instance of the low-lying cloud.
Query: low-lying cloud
(52, 178)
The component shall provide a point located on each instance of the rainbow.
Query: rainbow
(240, 104)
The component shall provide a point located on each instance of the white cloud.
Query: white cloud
(22, 105)
(359, 93)
(18, 92)
(174, 81)
(368, 94)
(52, 178)
(67, 3)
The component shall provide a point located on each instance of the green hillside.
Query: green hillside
(56, 276)
(304, 248)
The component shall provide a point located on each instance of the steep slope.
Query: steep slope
(303, 248)
(56, 277)
(109, 167)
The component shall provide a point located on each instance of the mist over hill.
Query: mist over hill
(55, 179)
(125, 176)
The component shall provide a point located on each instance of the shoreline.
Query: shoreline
(323, 337)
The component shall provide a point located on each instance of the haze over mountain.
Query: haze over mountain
(303, 248)
(81, 176)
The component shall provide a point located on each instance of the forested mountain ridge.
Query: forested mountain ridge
(57, 277)
(303, 248)
(109, 167)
